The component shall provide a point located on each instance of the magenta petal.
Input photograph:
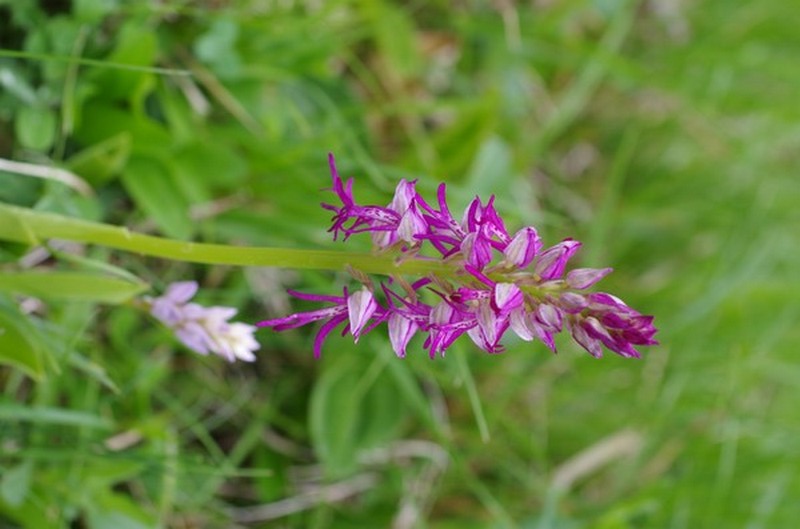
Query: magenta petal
(592, 345)
(488, 323)
(401, 330)
(572, 302)
(323, 332)
(552, 262)
(523, 247)
(549, 316)
(404, 195)
(581, 278)
(605, 301)
(507, 297)
(302, 318)
(361, 306)
(477, 250)
(520, 324)
(412, 224)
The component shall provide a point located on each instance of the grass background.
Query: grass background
(664, 135)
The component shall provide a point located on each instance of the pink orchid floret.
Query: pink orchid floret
(203, 329)
(498, 282)
(357, 309)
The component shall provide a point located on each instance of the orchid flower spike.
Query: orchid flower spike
(203, 329)
(496, 282)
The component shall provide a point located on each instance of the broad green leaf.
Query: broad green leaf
(152, 186)
(102, 161)
(78, 286)
(35, 127)
(20, 345)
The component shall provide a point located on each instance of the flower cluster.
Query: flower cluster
(497, 281)
(203, 329)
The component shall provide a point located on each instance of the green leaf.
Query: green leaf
(395, 34)
(92, 370)
(136, 45)
(14, 82)
(77, 286)
(20, 345)
(152, 186)
(491, 168)
(10, 411)
(93, 11)
(14, 228)
(35, 127)
(29, 514)
(410, 392)
(217, 48)
(100, 121)
(109, 471)
(210, 165)
(15, 483)
(103, 161)
(109, 510)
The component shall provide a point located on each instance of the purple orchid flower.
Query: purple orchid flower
(498, 282)
(203, 329)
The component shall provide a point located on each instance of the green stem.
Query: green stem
(29, 226)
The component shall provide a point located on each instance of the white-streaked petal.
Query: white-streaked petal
(361, 306)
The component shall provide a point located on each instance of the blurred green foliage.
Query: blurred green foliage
(662, 134)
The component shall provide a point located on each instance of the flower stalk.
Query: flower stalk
(31, 227)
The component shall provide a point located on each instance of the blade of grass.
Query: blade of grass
(29, 226)
(472, 392)
(601, 223)
(578, 95)
(98, 63)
